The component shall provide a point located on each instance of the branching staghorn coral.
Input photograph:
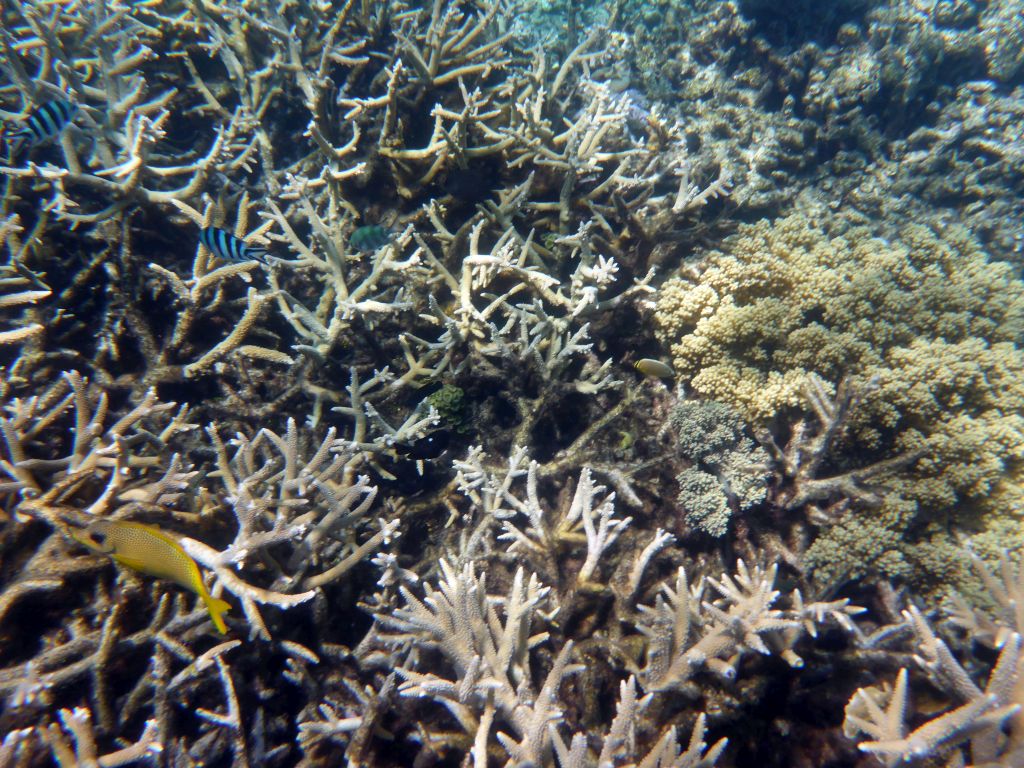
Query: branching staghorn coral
(268, 54)
(295, 512)
(619, 744)
(89, 660)
(98, 448)
(269, 485)
(533, 532)
(77, 723)
(687, 634)
(488, 642)
(490, 656)
(983, 721)
(92, 54)
(540, 537)
(992, 625)
(201, 295)
(476, 652)
(549, 335)
(474, 299)
(544, 330)
(19, 287)
(355, 286)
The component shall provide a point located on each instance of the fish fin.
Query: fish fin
(217, 608)
(131, 562)
(153, 531)
(14, 143)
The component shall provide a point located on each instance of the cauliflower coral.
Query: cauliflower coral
(929, 318)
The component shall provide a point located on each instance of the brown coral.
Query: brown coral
(929, 319)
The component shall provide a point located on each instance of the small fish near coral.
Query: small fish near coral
(226, 246)
(44, 122)
(149, 550)
(654, 369)
(427, 447)
(370, 238)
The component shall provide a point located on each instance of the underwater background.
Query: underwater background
(532, 384)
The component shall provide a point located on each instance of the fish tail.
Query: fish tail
(217, 609)
(16, 142)
(260, 254)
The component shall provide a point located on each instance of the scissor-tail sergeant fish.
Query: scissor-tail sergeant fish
(43, 123)
(226, 246)
(147, 549)
(370, 238)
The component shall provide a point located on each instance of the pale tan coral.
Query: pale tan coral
(930, 321)
(20, 288)
(785, 298)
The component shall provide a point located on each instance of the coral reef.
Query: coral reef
(397, 428)
(885, 111)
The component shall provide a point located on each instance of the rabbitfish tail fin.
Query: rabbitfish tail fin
(217, 609)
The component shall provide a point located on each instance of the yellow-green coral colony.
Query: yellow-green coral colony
(450, 402)
(927, 317)
(149, 550)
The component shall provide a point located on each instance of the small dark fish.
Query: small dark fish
(43, 123)
(226, 246)
(370, 238)
(427, 447)
(471, 184)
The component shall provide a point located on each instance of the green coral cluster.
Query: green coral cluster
(930, 318)
(728, 468)
(450, 402)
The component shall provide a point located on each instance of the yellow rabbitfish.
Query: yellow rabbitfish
(147, 549)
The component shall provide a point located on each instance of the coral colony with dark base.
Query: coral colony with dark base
(479, 383)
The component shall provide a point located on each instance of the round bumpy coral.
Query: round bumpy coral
(728, 469)
(930, 321)
(450, 402)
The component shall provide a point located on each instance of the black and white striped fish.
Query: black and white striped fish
(43, 123)
(226, 246)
